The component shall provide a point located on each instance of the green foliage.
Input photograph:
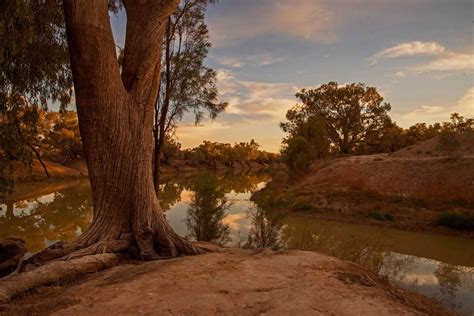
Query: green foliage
(171, 150)
(213, 153)
(61, 139)
(463, 221)
(353, 120)
(312, 128)
(297, 154)
(34, 70)
(347, 113)
(187, 84)
(381, 216)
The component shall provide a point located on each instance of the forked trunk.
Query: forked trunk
(116, 120)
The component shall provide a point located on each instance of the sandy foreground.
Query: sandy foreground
(228, 282)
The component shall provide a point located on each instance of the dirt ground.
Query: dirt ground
(414, 186)
(228, 282)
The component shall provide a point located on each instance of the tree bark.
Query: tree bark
(116, 122)
(164, 109)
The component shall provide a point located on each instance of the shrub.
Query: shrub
(381, 216)
(448, 143)
(303, 207)
(456, 220)
(298, 154)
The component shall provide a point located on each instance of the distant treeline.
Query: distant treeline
(56, 138)
(215, 153)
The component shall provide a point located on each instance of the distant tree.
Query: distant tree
(459, 124)
(171, 150)
(62, 140)
(187, 84)
(349, 112)
(389, 138)
(420, 132)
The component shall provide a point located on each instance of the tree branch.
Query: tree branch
(95, 69)
(146, 23)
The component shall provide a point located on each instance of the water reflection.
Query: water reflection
(382, 250)
(216, 207)
(205, 214)
(265, 231)
(61, 215)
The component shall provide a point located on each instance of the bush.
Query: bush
(448, 143)
(298, 154)
(304, 207)
(381, 216)
(456, 220)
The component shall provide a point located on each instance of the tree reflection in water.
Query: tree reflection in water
(207, 210)
(266, 229)
(61, 215)
(169, 194)
(449, 279)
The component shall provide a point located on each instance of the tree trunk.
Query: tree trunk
(116, 122)
(164, 109)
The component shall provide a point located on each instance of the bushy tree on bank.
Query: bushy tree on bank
(346, 114)
(336, 120)
(298, 153)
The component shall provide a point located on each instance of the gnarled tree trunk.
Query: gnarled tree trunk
(116, 122)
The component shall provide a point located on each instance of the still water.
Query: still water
(217, 207)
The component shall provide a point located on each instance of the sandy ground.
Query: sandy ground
(228, 282)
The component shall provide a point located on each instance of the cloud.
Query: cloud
(254, 98)
(400, 74)
(448, 62)
(436, 113)
(443, 61)
(263, 59)
(466, 103)
(415, 48)
(254, 111)
(308, 19)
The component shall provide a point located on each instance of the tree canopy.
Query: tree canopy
(34, 72)
(347, 113)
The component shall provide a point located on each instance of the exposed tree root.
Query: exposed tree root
(94, 250)
(68, 260)
(54, 272)
(101, 247)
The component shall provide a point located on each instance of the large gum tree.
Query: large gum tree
(115, 110)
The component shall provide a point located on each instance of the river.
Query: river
(217, 207)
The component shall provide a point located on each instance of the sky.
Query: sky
(419, 54)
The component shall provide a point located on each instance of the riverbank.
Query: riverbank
(78, 169)
(228, 281)
(408, 190)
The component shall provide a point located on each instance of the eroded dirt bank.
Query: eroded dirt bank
(228, 282)
(407, 190)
